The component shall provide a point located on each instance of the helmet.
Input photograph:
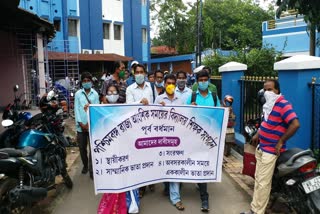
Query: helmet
(261, 98)
(133, 63)
(228, 100)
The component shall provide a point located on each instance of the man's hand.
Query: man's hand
(144, 101)
(84, 127)
(86, 107)
(194, 103)
(278, 147)
(255, 139)
(163, 103)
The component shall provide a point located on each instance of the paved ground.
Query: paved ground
(226, 197)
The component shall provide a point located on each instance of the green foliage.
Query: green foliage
(226, 24)
(260, 61)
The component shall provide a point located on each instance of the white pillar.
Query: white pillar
(41, 70)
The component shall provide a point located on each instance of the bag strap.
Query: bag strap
(193, 97)
(86, 97)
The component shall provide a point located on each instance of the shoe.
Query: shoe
(248, 212)
(84, 170)
(205, 206)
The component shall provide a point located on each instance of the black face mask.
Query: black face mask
(261, 98)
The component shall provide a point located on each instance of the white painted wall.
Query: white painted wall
(112, 10)
(114, 46)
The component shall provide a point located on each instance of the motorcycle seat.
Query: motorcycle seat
(26, 151)
(285, 156)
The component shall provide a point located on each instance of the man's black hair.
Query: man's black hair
(207, 68)
(276, 84)
(150, 73)
(171, 77)
(203, 73)
(181, 72)
(117, 65)
(158, 71)
(139, 66)
(86, 75)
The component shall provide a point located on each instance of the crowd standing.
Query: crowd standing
(137, 86)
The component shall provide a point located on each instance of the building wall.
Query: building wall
(11, 65)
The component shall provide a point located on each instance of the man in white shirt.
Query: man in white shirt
(140, 91)
(182, 91)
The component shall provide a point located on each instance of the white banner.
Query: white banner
(134, 145)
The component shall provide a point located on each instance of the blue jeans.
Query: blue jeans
(174, 189)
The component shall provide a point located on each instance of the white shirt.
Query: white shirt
(135, 94)
(164, 98)
(183, 95)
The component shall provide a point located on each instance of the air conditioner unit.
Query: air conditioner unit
(86, 51)
(98, 51)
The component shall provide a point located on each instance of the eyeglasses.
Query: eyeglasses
(112, 92)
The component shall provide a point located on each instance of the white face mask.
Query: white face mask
(271, 99)
(112, 98)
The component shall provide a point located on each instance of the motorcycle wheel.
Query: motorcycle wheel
(67, 180)
(6, 206)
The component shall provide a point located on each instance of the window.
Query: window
(106, 31)
(144, 35)
(57, 25)
(117, 32)
(72, 27)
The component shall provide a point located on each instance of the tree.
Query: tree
(310, 9)
(226, 24)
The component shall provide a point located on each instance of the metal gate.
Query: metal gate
(315, 130)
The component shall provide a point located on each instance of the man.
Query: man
(151, 77)
(117, 80)
(158, 85)
(280, 122)
(170, 98)
(131, 80)
(182, 91)
(83, 98)
(211, 86)
(140, 92)
(203, 97)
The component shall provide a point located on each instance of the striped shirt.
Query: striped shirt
(277, 124)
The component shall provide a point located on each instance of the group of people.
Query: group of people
(171, 89)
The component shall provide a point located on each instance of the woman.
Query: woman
(114, 203)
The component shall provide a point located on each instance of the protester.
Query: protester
(83, 98)
(140, 92)
(170, 98)
(203, 97)
(151, 77)
(117, 80)
(279, 124)
(158, 85)
(131, 79)
(211, 86)
(182, 91)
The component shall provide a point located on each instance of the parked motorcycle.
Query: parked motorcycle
(28, 171)
(295, 177)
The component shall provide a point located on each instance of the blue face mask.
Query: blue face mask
(203, 85)
(159, 85)
(87, 85)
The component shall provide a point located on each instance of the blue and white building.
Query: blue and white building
(288, 34)
(97, 26)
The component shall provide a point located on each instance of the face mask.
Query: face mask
(139, 78)
(122, 74)
(181, 83)
(203, 85)
(112, 98)
(159, 85)
(87, 85)
(170, 89)
(270, 96)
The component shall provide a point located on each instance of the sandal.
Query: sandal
(179, 206)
